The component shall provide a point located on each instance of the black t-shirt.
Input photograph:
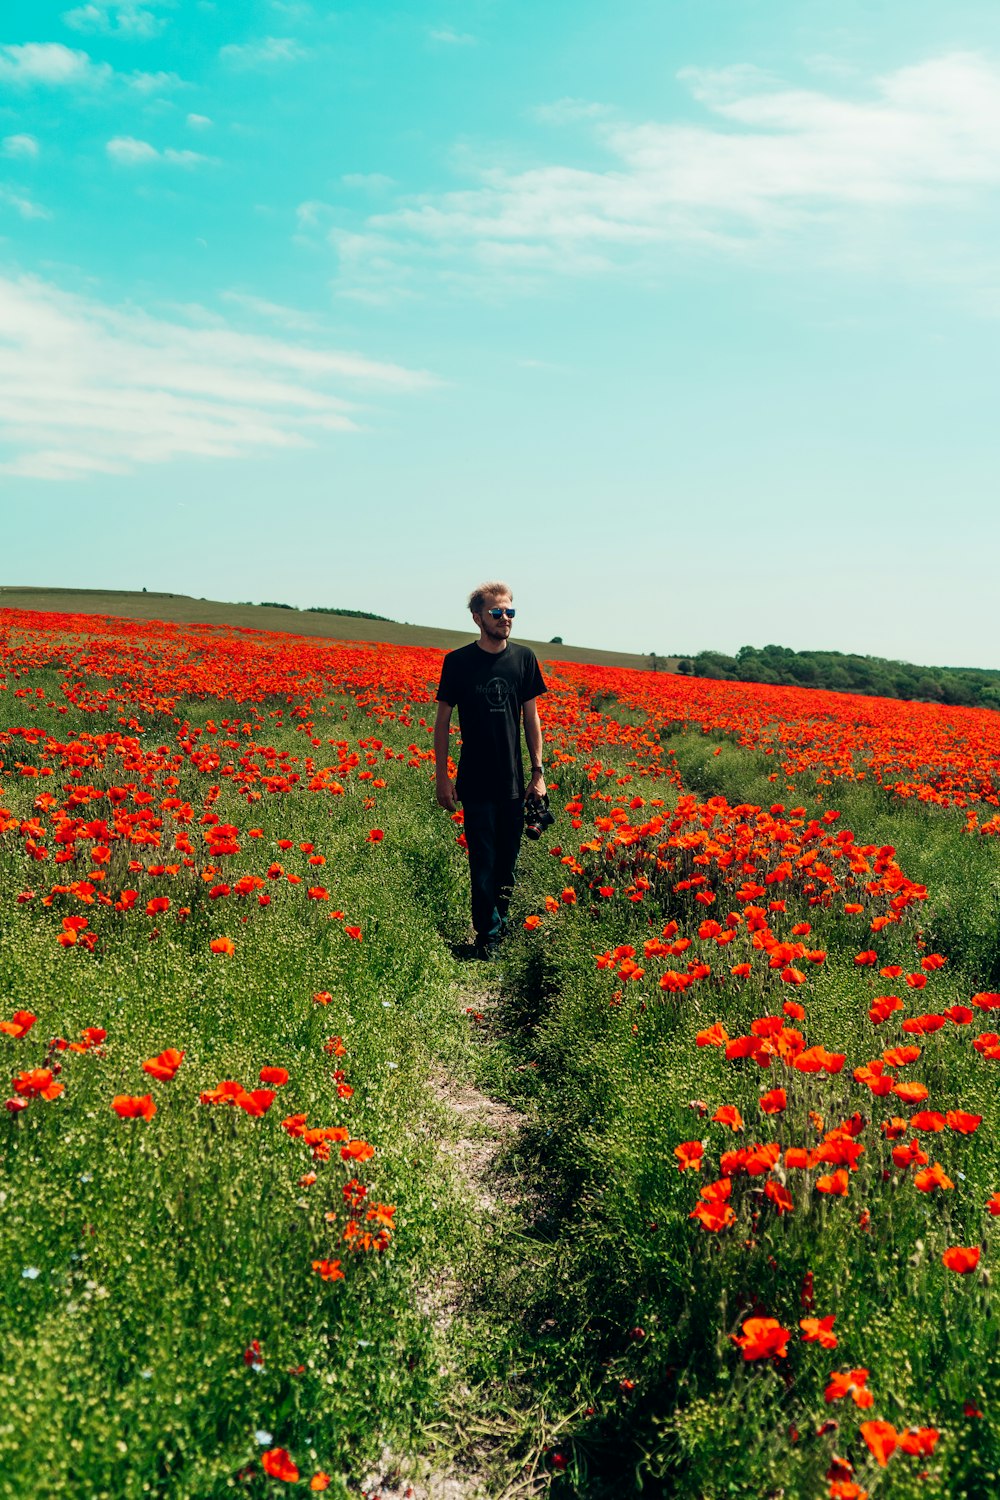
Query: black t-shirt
(488, 689)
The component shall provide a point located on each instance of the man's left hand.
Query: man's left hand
(536, 786)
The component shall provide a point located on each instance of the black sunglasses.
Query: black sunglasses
(496, 613)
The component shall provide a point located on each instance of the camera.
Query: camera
(536, 816)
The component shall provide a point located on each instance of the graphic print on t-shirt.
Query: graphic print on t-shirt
(497, 692)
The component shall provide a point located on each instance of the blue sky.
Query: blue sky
(681, 315)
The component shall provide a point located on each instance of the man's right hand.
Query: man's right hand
(446, 795)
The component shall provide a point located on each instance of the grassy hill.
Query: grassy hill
(184, 609)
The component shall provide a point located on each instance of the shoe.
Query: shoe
(488, 952)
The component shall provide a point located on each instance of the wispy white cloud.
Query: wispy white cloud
(135, 19)
(569, 111)
(275, 312)
(90, 388)
(449, 38)
(23, 147)
(27, 208)
(198, 122)
(51, 65)
(152, 83)
(129, 152)
(368, 182)
(264, 53)
(767, 167)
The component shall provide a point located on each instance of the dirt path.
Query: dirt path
(478, 1132)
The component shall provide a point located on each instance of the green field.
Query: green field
(185, 610)
(545, 1315)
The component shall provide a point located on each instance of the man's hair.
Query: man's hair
(477, 600)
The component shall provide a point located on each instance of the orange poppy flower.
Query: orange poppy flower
(836, 1184)
(909, 1154)
(728, 1114)
(760, 1159)
(910, 1093)
(329, 1270)
(927, 1120)
(773, 1102)
(881, 1439)
(898, 1057)
(851, 1383)
(780, 1197)
(222, 945)
(165, 1065)
(689, 1155)
(819, 1331)
(797, 1156)
(357, 1151)
(932, 1177)
(762, 1338)
(919, 1440)
(713, 1216)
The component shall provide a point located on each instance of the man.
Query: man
(492, 682)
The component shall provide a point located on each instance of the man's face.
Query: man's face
(497, 630)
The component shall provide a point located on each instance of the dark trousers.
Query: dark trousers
(493, 834)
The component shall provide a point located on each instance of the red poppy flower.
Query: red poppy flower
(134, 1106)
(37, 1083)
(277, 1076)
(961, 1258)
(279, 1465)
(20, 1023)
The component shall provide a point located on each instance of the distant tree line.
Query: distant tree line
(352, 614)
(322, 609)
(871, 675)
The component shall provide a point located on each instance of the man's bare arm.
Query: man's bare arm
(444, 786)
(533, 740)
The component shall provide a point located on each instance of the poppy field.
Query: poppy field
(750, 1017)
